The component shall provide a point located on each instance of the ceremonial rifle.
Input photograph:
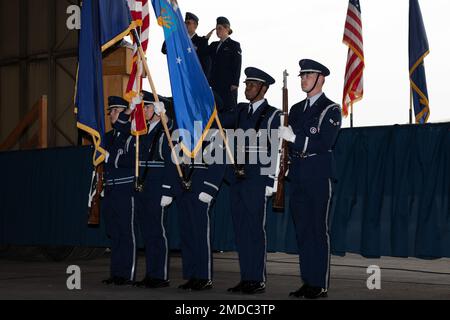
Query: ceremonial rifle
(278, 200)
(94, 195)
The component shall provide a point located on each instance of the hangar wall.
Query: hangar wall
(38, 56)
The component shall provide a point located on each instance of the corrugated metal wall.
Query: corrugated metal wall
(38, 56)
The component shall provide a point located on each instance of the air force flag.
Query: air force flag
(193, 98)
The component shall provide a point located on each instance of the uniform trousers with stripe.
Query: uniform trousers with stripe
(118, 209)
(249, 205)
(309, 206)
(195, 233)
(152, 223)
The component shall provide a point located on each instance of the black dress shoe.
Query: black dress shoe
(315, 293)
(152, 283)
(238, 288)
(300, 292)
(187, 285)
(202, 284)
(254, 287)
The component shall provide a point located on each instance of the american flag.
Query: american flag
(140, 14)
(353, 84)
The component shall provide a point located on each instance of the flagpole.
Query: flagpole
(163, 115)
(136, 172)
(137, 163)
(410, 105)
(225, 140)
(351, 114)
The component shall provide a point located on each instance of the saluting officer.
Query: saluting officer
(200, 43)
(313, 128)
(151, 217)
(226, 61)
(118, 203)
(252, 183)
(195, 196)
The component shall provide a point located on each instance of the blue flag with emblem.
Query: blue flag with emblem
(418, 50)
(103, 23)
(193, 98)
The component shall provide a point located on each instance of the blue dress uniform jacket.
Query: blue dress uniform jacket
(195, 215)
(226, 63)
(248, 199)
(310, 174)
(316, 130)
(118, 206)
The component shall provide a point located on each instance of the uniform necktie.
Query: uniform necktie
(250, 111)
(218, 47)
(306, 105)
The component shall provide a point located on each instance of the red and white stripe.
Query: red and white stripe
(139, 10)
(145, 30)
(353, 84)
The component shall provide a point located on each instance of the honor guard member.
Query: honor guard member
(251, 185)
(226, 61)
(195, 196)
(151, 217)
(118, 206)
(200, 43)
(313, 128)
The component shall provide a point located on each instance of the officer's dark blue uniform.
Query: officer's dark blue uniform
(118, 203)
(200, 44)
(315, 122)
(226, 62)
(151, 217)
(248, 185)
(195, 217)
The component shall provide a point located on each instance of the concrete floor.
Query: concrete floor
(400, 279)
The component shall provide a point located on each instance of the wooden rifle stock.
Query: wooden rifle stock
(278, 200)
(94, 209)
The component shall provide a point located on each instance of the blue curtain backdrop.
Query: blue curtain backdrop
(391, 198)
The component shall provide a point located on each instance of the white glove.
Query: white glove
(165, 201)
(204, 197)
(159, 108)
(269, 191)
(136, 100)
(286, 133)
